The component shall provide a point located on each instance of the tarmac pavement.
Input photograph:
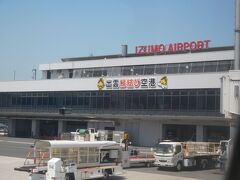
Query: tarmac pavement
(7, 165)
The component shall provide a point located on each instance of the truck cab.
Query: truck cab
(169, 154)
(225, 149)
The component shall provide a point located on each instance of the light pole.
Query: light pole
(237, 36)
(14, 75)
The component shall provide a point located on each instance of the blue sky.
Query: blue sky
(44, 31)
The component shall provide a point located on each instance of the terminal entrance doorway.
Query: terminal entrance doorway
(175, 132)
(216, 133)
(23, 128)
(48, 129)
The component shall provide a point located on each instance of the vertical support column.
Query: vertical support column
(199, 133)
(34, 128)
(34, 131)
(160, 132)
(60, 127)
(11, 127)
(237, 36)
(232, 131)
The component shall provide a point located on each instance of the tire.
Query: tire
(148, 165)
(213, 164)
(106, 175)
(204, 164)
(69, 176)
(179, 166)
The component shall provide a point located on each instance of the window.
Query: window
(161, 69)
(143, 100)
(76, 73)
(116, 71)
(210, 66)
(100, 102)
(127, 70)
(151, 101)
(178, 149)
(149, 69)
(194, 67)
(68, 101)
(107, 71)
(135, 100)
(224, 65)
(185, 68)
(48, 74)
(211, 100)
(87, 73)
(172, 68)
(167, 102)
(128, 100)
(192, 100)
(175, 102)
(184, 102)
(106, 102)
(52, 101)
(201, 102)
(97, 72)
(74, 100)
(138, 70)
(197, 67)
(70, 73)
(160, 102)
(93, 102)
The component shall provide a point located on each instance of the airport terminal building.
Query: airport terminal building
(159, 92)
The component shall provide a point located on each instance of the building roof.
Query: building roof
(140, 55)
(76, 144)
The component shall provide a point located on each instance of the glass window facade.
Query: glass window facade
(170, 68)
(203, 100)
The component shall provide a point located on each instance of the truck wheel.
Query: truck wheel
(148, 165)
(105, 175)
(69, 176)
(204, 164)
(179, 166)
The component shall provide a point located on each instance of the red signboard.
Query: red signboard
(175, 47)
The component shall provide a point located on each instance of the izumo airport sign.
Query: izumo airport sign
(173, 47)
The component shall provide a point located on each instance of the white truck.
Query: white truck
(137, 157)
(186, 154)
(225, 151)
(131, 156)
(73, 160)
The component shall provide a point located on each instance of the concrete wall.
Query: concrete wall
(150, 133)
(175, 81)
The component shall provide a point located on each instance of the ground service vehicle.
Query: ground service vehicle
(137, 157)
(73, 160)
(3, 129)
(186, 154)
